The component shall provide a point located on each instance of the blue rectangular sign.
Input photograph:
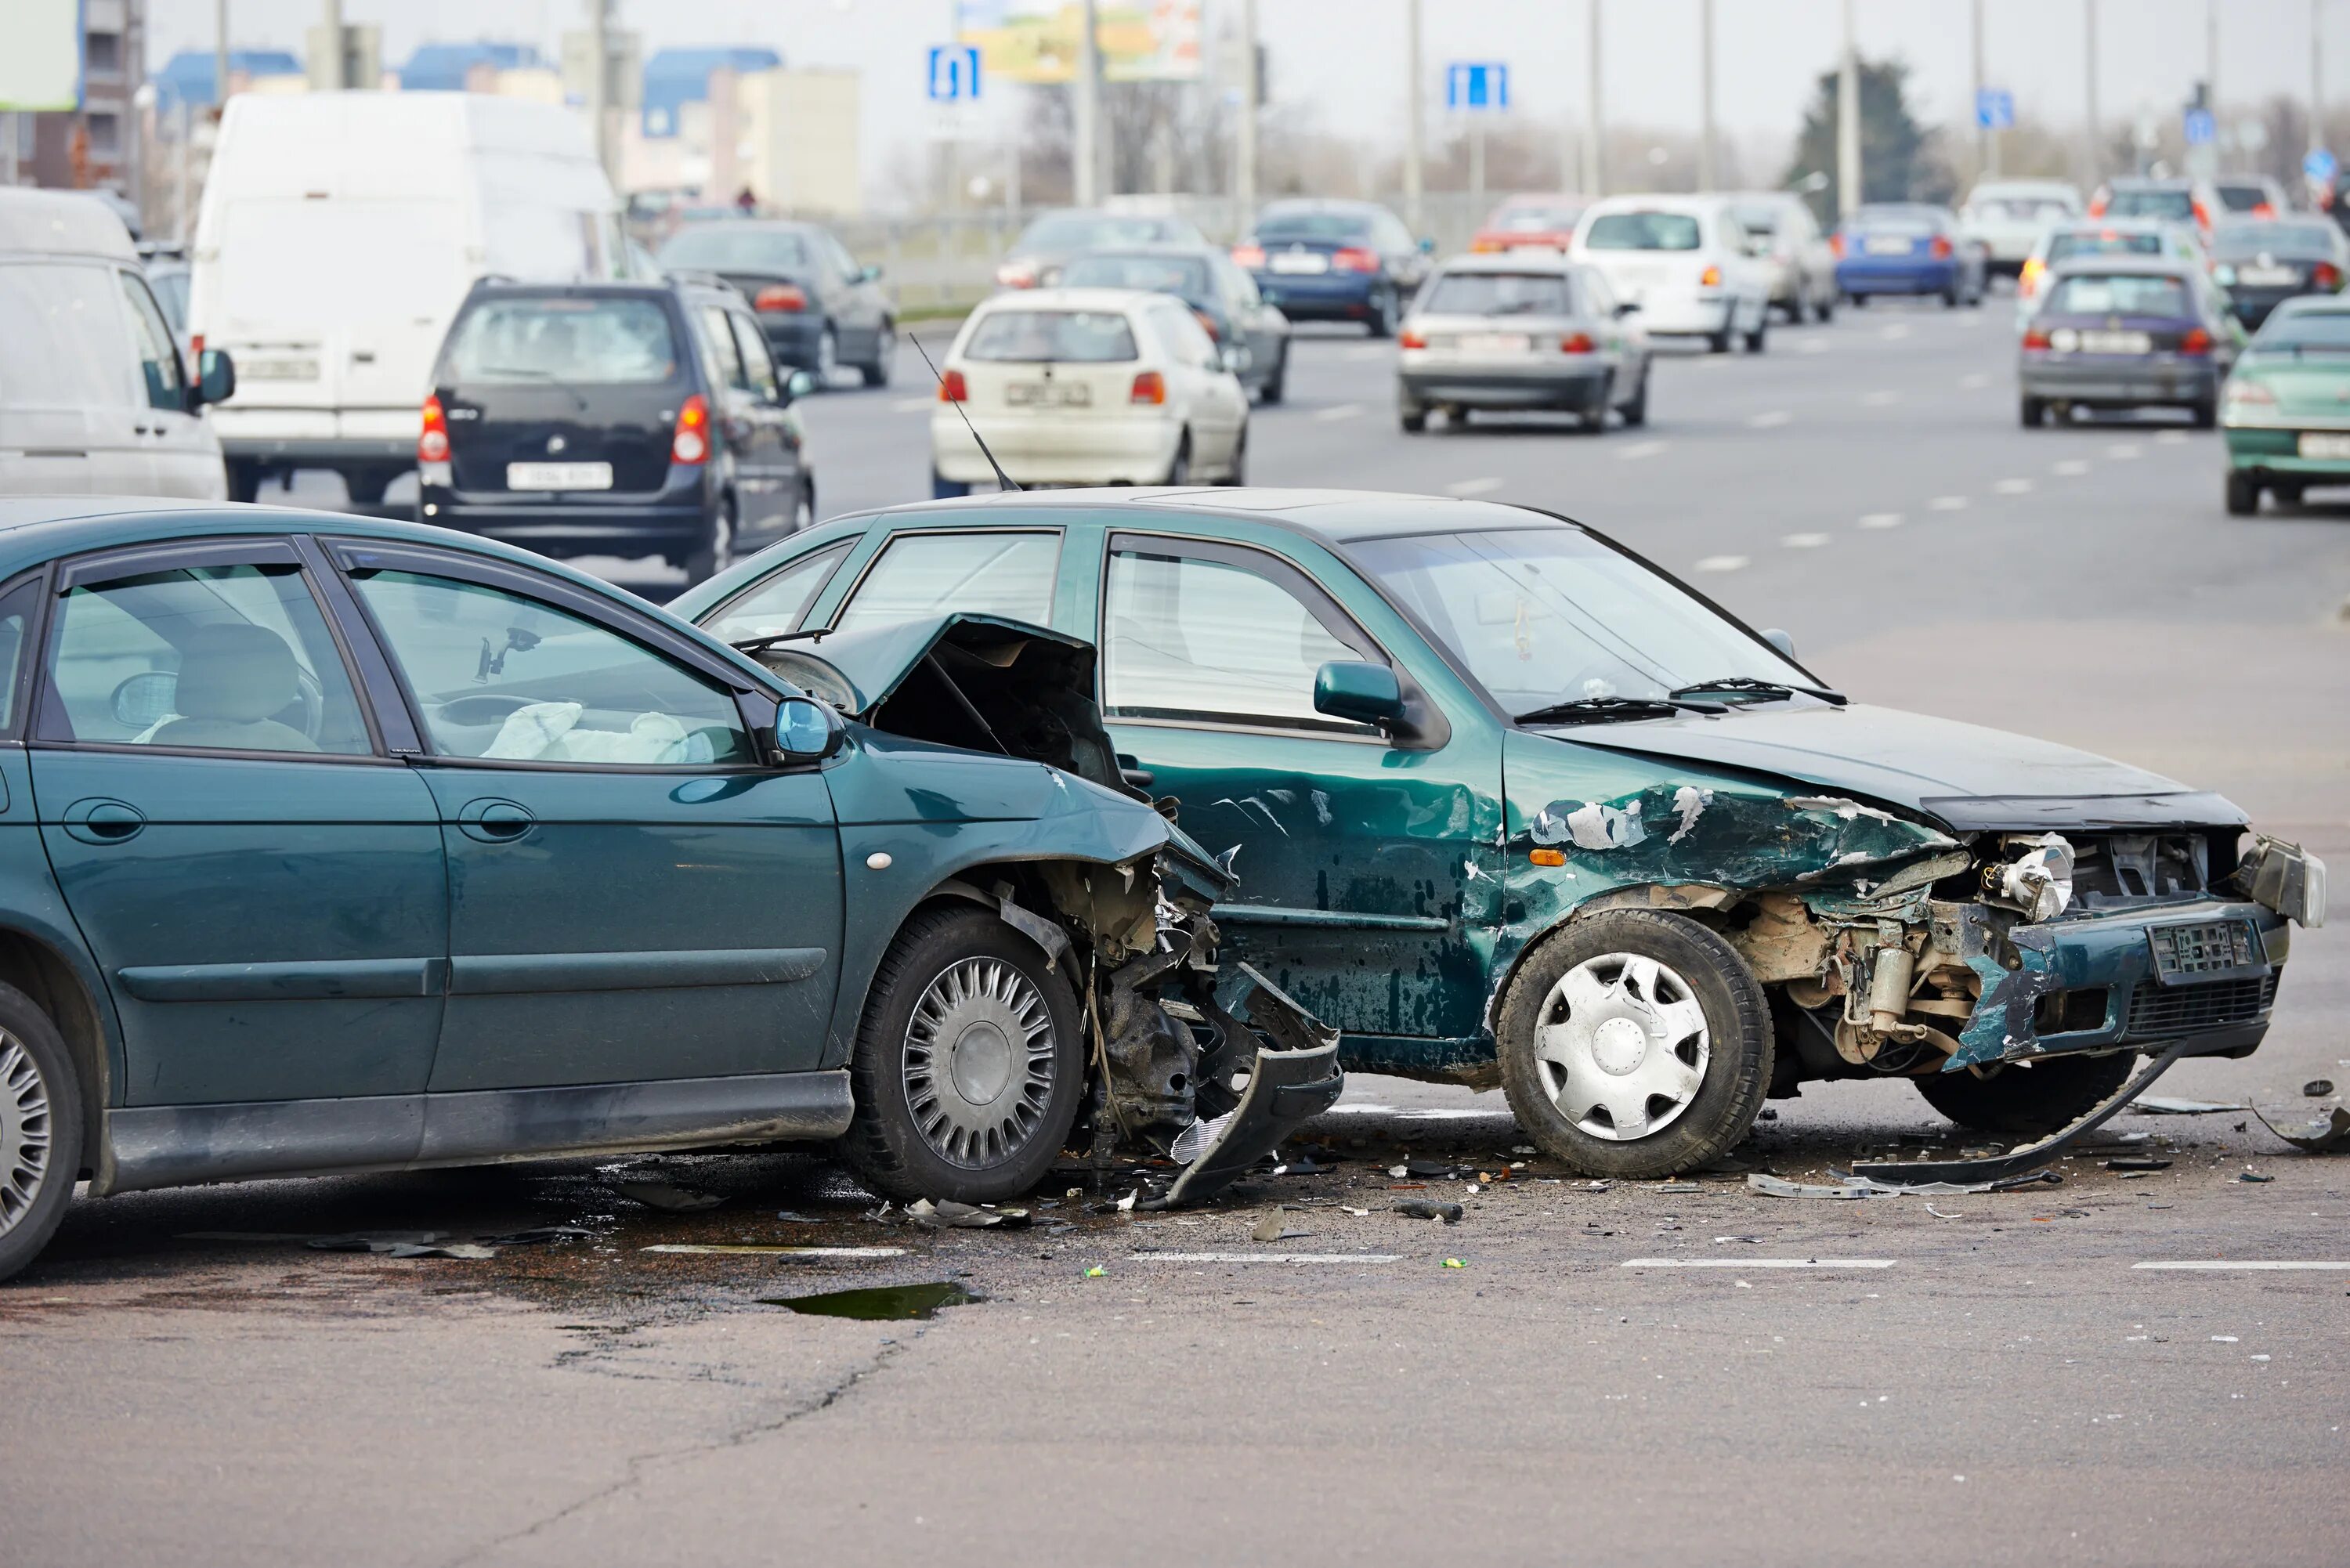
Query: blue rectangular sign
(2201, 128)
(1483, 85)
(954, 73)
(1995, 109)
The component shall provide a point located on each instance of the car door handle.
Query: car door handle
(102, 821)
(496, 821)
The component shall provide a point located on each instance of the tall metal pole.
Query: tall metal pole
(1594, 165)
(2096, 137)
(600, 83)
(1245, 166)
(1085, 176)
(1848, 121)
(2316, 84)
(338, 64)
(1986, 139)
(1414, 91)
(183, 212)
(1706, 180)
(220, 55)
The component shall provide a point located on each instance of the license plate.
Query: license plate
(1037, 394)
(2267, 276)
(278, 369)
(1889, 245)
(558, 476)
(2331, 448)
(2116, 343)
(1298, 261)
(1496, 345)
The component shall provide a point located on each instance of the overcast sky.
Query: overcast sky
(1346, 57)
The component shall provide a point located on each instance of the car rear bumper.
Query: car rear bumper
(2129, 383)
(1898, 277)
(1054, 449)
(2263, 450)
(794, 339)
(579, 523)
(1321, 297)
(1581, 387)
(1684, 315)
(320, 451)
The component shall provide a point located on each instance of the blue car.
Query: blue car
(1335, 261)
(1908, 247)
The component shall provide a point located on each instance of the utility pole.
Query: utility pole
(1848, 121)
(1085, 177)
(1414, 91)
(1244, 168)
(1986, 139)
(2316, 85)
(600, 83)
(219, 56)
(337, 63)
(1705, 170)
(2096, 135)
(1595, 166)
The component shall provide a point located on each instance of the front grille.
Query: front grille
(2213, 948)
(2162, 1012)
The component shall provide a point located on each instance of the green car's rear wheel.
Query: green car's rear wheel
(40, 1129)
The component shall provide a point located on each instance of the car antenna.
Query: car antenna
(1002, 478)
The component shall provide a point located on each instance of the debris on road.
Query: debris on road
(2329, 1134)
(1426, 1209)
(401, 1244)
(1773, 1186)
(2253, 1176)
(757, 1249)
(1270, 1229)
(946, 1214)
(2137, 1162)
(667, 1196)
(2317, 1088)
(2153, 1105)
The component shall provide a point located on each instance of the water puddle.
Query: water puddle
(878, 1304)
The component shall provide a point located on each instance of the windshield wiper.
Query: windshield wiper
(1770, 690)
(754, 644)
(1607, 710)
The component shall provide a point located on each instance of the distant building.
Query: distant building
(676, 77)
(463, 67)
(97, 145)
(187, 77)
(723, 120)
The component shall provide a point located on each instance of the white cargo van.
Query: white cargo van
(94, 397)
(338, 233)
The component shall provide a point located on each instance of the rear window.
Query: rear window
(601, 342)
(1642, 232)
(1894, 221)
(68, 343)
(1757, 220)
(1181, 275)
(2120, 295)
(2305, 329)
(1338, 227)
(1098, 231)
(2243, 198)
(2022, 209)
(2151, 204)
(722, 247)
(1072, 337)
(2240, 242)
(2104, 243)
(1499, 294)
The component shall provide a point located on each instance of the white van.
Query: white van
(94, 397)
(337, 235)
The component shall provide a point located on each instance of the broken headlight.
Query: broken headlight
(2038, 882)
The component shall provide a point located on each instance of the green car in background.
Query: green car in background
(2285, 411)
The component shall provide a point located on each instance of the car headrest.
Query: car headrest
(235, 671)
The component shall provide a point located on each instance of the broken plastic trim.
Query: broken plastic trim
(1294, 1080)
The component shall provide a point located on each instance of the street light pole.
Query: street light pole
(2096, 135)
(1085, 178)
(1595, 166)
(1414, 91)
(1244, 170)
(1706, 179)
(219, 56)
(2316, 84)
(1848, 121)
(600, 83)
(338, 77)
(1986, 139)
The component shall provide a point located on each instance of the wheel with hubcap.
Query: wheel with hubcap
(2026, 1099)
(885, 354)
(40, 1129)
(1636, 1044)
(1382, 323)
(716, 552)
(969, 1064)
(828, 358)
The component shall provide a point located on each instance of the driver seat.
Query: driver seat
(234, 676)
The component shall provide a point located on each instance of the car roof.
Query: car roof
(1067, 299)
(1173, 250)
(2150, 182)
(2167, 266)
(1321, 204)
(1330, 516)
(2129, 225)
(1657, 202)
(1526, 258)
(61, 223)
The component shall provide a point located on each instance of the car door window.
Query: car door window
(839, 255)
(499, 677)
(1183, 334)
(1598, 299)
(228, 658)
(720, 356)
(776, 605)
(988, 572)
(758, 364)
(1188, 637)
(159, 357)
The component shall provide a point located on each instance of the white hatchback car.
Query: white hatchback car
(1086, 386)
(1685, 261)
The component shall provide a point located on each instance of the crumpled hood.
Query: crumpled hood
(1968, 777)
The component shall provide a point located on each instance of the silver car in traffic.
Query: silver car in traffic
(1520, 333)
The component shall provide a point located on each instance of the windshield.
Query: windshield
(727, 247)
(2151, 204)
(1893, 220)
(1551, 614)
(1642, 232)
(1498, 294)
(1313, 225)
(2241, 242)
(1183, 277)
(2305, 329)
(2104, 243)
(1757, 220)
(1028, 337)
(2114, 294)
(602, 342)
(1065, 232)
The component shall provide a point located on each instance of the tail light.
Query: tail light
(2028, 280)
(2263, 210)
(197, 344)
(1354, 258)
(690, 443)
(1208, 325)
(1941, 247)
(951, 389)
(2197, 342)
(2097, 205)
(1486, 245)
(432, 441)
(1836, 245)
(2324, 274)
(1412, 338)
(1017, 275)
(2202, 215)
(780, 297)
(1250, 256)
(1575, 343)
(2035, 337)
(1710, 279)
(1149, 387)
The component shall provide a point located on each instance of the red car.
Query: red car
(1544, 221)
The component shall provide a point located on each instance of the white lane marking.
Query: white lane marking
(1974, 382)
(1640, 448)
(2072, 468)
(1880, 398)
(1947, 503)
(2217, 1267)
(2014, 486)
(2171, 438)
(1899, 329)
(1451, 1115)
(1721, 564)
(2122, 451)
(1360, 1109)
(1805, 541)
(746, 1250)
(1336, 412)
(1759, 1262)
(1772, 421)
(1880, 520)
(1267, 1257)
(910, 405)
(1472, 487)
(1813, 346)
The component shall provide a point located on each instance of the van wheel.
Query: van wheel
(1635, 1044)
(717, 551)
(2026, 1101)
(1824, 309)
(945, 489)
(366, 486)
(969, 1066)
(40, 1129)
(1756, 339)
(1718, 343)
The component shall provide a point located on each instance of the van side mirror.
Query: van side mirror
(1782, 641)
(869, 272)
(805, 731)
(215, 376)
(1358, 690)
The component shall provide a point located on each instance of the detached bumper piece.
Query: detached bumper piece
(1295, 1078)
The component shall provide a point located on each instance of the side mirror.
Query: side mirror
(1354, 689)
(805, 731)
(215, 376)
(869, 272)
(1427, 245)
(1782, 641)
(1627, 306)
(798, 385)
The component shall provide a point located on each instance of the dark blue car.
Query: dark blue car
(1335, 261)
(1906, 247)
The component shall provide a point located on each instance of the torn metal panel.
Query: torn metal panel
(2024, 1157)
(1293, 1079)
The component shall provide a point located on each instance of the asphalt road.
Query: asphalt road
(1959, 1380)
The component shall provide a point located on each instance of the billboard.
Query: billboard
(40, 55)
(1038, 40)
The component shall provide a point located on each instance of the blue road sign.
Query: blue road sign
(2320, 165)
(1477, 85)
(954, 73)
(2201, 128)
(1994, 108)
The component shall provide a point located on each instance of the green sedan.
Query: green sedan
(2286, 409)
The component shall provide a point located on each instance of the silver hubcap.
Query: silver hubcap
(827, 355)
(1621, 1046)
(979, 1062)
(23, 1132)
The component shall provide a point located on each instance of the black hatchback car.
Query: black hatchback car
(614, 419)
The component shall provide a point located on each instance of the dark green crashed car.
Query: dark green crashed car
(1512, 806)
(329, 845)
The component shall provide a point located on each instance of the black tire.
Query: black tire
(1239, 476)
(885, 1142)
(1718, 343)
(1178, 467)
(885, 354)
(1950, 298)
(34, 1066)
(2033, 412)
(365, 486)
(2286, 495)
(828, 358)
(1276, 386)
(1636, 412)
(244, 479)
(716, 551)
(1856, 301)
(2207, 415)
(1382, 323)
(2026, 1101)
(1412, 420)
(1737, 1068)
(2243, 495)
(1756, 339)
(1825, 310)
